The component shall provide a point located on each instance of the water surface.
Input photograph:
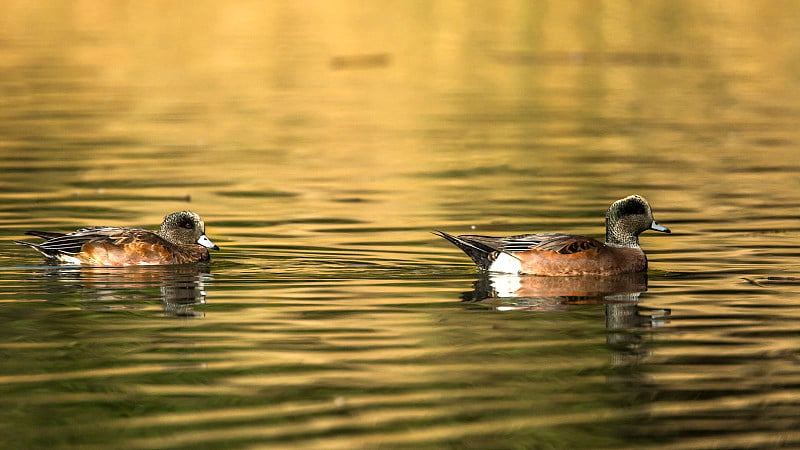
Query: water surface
(322, 142)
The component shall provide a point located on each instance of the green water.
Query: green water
(322, 142)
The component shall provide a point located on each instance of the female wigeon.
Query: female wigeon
(180, 240)
(557, 254)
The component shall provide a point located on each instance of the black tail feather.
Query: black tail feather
(44, 234)
(37, 247)
(482, 254)
(44, 248)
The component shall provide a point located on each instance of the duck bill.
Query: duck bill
(206, 242)
(655, 226)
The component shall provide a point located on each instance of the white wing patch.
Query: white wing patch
(506, 263)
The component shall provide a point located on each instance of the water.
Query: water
(322, 142)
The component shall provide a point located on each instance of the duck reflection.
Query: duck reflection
(506, 292)
(180, 287)
(619, 294)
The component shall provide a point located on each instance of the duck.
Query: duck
(561, 254)
(181, 239)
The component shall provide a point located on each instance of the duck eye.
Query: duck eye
(186, 223)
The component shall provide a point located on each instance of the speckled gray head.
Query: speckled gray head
(627, 218)
(185, 228)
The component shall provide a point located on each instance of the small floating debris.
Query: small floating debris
(363, 61)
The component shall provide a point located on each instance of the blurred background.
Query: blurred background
(322, 141)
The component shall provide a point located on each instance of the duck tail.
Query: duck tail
(36, 247)
(44, 234)
(481, 253)
(43, 249)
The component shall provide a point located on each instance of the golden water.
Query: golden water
(322, 142)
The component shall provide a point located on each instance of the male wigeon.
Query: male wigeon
(180, 240)
(558, 254)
